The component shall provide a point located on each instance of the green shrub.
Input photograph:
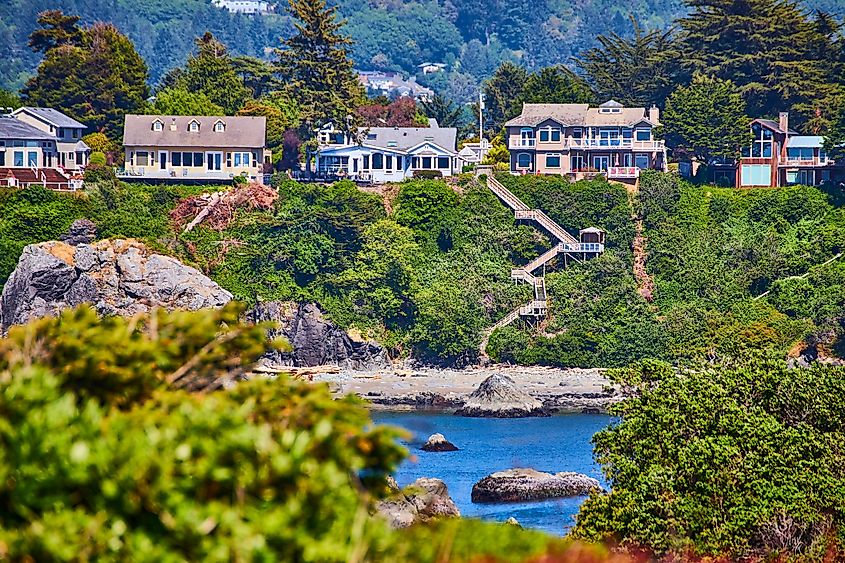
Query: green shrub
(427, 174)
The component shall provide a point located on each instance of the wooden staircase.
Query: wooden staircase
(567, 245)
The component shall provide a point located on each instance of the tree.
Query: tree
(315, 66)
(212, 72)
(281, 116)
(9, 100)
(555, 85)
(640, 71)
(502, 93)
(176, 101)
(735, 461)
(96, 82)
(56, 30)
(444, 111)
(777, 56)
(401, 112)
(257, 75)
(707, 119)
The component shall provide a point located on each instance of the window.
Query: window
(176, 158)
(19, 158)
(366, 162)
(219, 127)
(2, 158)
(643, 134)
(544, 135)
(71, 156)
(552, 161)
(610, 110)
(641, 161)
(378, 161)
(549, 135)
(75, 133)
(761, 147)
(756, 175)
(523, 160)
(142, 158)
(157, 125)
(577, 133)
(627, 134)
(803, 153)
(193, 126)
(426, 163)
(392, 144)
(372, 136)
(388, 162)
(443, 162)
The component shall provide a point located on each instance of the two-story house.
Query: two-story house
(387, 154)
(193, 148)
(778, 156)
(28, 157)
(73, 153)
(577, 140)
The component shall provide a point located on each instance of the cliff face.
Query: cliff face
(315, 341)
(118, 277)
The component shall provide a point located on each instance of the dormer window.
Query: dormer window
(194, 126)
(219, 127)
(158, 125)
(610, 110)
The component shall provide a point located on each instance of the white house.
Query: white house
(387, 154)
(72, 153)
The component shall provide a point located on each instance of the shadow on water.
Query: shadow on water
(558, 443)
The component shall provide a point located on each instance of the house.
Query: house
(387, 154)
(73, 153)
(474, 153)
(393, 85)
(577, 140)
(778, 156)
(28, 156)
(245, 6)
(193, 148)
(430, 68)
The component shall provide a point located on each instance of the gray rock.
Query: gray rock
(499, 397)
(520, 485)
(314, 340)
(423, 500)
(117, 277)
(438, 443)
(81, 231)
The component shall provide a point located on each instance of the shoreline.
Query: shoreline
(561, 390)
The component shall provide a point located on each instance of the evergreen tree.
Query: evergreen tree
(639, 71)
(315, 66)
(56, 29)
(706, 119)
(212, 72)
(556, 85)
(175, 101)
(444, 111)
(502, 93)
(9, 100)
(775, 54)
(96, 82)
(256, 75)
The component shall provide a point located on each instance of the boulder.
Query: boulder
(117, 277)
(423, 500)
(314, 340)
(438, 443)
(81, 231)
(499, 397)
(520, 485)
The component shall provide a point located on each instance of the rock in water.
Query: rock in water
(315, 341)
(423, 500)
(118, 277)
(499, 397)
(438, 443)
(520, 485)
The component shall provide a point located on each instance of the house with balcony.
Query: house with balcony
(73, 153)
(194, 149)
(387, 154)
(577, 140)
(28, 157)
(778, 156)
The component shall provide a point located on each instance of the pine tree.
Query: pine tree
(315, 66)
(444, 111)
(56, 29)
(212, 72)
(556, 85)
(501, 94)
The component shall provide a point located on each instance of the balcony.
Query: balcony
(805, 162)
(623, 172)
(200, 174)
(522, 143)
(614, 144)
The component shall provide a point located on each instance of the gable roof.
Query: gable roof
(51, 116)
(404, 138)
(565, 114)
(773, 125)
(241, 131)
(627, 117)
(13, 128)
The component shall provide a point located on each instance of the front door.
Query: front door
(215, 161)
(162, 160)
(601, 163)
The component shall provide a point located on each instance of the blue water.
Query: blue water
(558, 443)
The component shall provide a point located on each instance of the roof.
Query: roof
(611, 104)
(774, 126)
(624, 117)
(591, 230)
(565, 114)
(241, 132)
(405, 138)
(805, 142)
(52, 116)
(13, 128)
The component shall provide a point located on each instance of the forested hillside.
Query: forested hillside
(472, 36)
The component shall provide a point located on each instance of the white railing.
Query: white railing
(588, 247)
(623, 172)
(515, 143)
(806, 162)
(614, 144)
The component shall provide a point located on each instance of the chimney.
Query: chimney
(783, 121)
(654, 115)
(173, 124)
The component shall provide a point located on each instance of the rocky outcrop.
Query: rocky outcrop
(423, 500)
(438, 443)
(499, 397)
(314, 340)
(520, 485)
(81, 231)
(118, 277)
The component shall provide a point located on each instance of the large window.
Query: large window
(241, 158)
(552, 161)
(549, 135)
(523, 160)
(643, 134)
(142, 158)
(19, 158)
(2, 158)
(443, 162)
(426, 163)
(32, 159)
(176, 159)
(799, 153)
(763, 143)
(641, 161)
(756, 175)
(388, 162)
(378, 161)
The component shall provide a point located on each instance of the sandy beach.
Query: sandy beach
(563, 390)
